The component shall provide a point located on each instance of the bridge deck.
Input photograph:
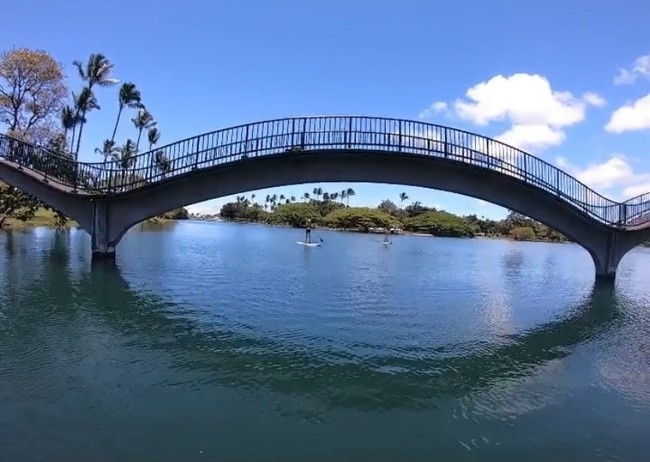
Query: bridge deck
(43, 178)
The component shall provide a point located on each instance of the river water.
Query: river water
(216, 341)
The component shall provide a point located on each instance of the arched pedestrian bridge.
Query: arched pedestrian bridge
(106, 199)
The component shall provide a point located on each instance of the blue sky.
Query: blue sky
(564, 80)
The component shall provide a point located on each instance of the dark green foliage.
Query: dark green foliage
(295, 214)
(440, 224)
(359, 218)
(177, 214)
(324, 209)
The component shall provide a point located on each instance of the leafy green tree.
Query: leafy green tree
(32, 93)
(360, 218)
(294, 214)
(440, 223)
(16, 204)
(523, 233)
(388, 206)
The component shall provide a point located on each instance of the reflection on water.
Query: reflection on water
(240, 350)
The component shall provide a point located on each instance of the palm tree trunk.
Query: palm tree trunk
(137, 144)
(74, 129)
(117, 122)
(81, 128)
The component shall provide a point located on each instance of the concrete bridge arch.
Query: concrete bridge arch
(605, 246)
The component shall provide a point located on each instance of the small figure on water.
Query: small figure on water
(386, 235)
(308, 231)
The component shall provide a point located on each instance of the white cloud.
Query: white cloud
(635, 116)
(636, 190)
(640, 68)
(435, 108)
(537, 113)
(527, 137)
(614, 173)
(594, 99)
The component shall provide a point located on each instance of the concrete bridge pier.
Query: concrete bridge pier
(103, 243)
(607, 260)
(615, 245)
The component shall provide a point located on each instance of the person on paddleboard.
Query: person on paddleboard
(308, 231)
(386, 233)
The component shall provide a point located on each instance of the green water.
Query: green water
(229, 342)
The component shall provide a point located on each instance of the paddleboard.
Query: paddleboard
(309, 244)
(387, 243)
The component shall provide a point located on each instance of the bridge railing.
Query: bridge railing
(50, 167)
(359, 133)
(327, 133)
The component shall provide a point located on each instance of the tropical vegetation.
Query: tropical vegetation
(35, 107)
(332, 210)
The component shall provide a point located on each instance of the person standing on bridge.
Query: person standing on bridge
(308, 231)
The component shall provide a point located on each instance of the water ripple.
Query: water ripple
(433, 346)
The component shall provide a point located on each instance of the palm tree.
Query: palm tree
(126, 158)
(153, 135)
(326, 196)
(319, 192)
(349, 193)
(293, 198)
(282, 197)
(84, 102)
(68, 122)
(108, 150)
(97, 71)
(129, 96)
(143, 120)
(343, 195)
(306, 196)
(162, 162)
(402, 198)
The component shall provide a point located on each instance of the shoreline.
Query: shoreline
(16, 225)
(13, 224)
(401, 233)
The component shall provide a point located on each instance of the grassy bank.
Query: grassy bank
(48, 219)
(42, 218)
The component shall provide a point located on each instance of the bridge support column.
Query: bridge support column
(102, 246)
(609, 258)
